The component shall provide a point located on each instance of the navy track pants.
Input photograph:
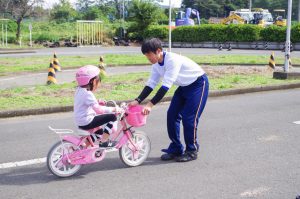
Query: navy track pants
(187, 105)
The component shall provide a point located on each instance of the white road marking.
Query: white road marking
(270, 138)
(255, 192)
(22, 163)
(296, 122)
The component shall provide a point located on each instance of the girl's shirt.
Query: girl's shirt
(86, 107)
(175, 69)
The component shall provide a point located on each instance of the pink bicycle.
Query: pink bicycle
(66, 157)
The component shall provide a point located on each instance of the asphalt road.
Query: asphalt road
(249, 149)
(134, 50)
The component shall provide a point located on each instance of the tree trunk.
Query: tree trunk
(18, 34)
(118, 9)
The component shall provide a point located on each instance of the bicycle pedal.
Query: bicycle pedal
(112, 149)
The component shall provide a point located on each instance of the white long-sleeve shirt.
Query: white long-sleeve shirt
(175, 69)
(86, 107)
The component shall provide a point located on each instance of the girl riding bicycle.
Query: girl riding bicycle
(90, 113)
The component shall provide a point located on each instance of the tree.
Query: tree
(18, 10)
(40, 13)
(84, 5)
(63, 12)
(145, 13)
(92, 13)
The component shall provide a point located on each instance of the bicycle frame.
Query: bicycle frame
(86, 155)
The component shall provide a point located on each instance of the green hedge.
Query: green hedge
(273, 34)
(224, 33)
(156, 31)
(295, 32)
(245, 33)
(196, 33)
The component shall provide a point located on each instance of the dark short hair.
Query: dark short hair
(151, 45)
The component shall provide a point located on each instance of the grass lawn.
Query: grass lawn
(32, 64)
(118, 87)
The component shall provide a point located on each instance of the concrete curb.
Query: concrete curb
(17, 52)
(58, 109)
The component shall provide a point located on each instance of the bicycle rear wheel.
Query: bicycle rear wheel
(133, 158)
(55, 156)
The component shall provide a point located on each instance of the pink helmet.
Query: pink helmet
(85, 74)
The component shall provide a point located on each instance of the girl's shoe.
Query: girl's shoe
(107, 144)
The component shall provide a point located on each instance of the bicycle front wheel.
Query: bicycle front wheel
(132, 156)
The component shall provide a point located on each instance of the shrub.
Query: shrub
(184, 34)
(217, 33)
(11, 26)
(295, 33)
(206, 32)
(45, 37)
(224, 33)
(242, 33)
(11, 39)
(273, 34)
(160, 32)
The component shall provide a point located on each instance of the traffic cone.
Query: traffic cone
(229, 48)
(102, 66)
(272, 61)
(56, 64)
(266, 46)
(220, 47)
(51, 74)
(256, 46)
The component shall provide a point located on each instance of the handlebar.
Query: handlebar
(123, 106)
(111, 102)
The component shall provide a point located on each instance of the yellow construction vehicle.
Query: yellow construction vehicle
(233, 18)
(258, 16)
(241, 16)
(279, 20)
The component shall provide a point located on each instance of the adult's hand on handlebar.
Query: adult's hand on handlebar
(147, 109)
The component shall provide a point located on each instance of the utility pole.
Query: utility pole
(250, 4)
(299, 11)
(123, 21)
(288, 37)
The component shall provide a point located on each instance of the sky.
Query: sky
(50, 3)
(163, 3)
